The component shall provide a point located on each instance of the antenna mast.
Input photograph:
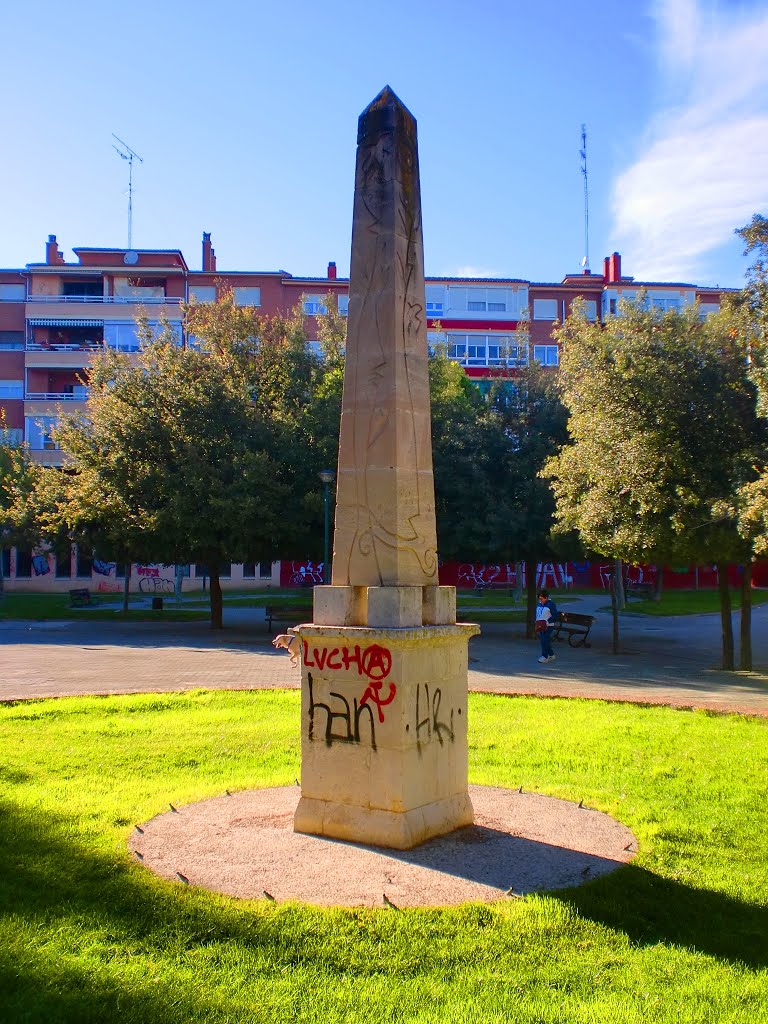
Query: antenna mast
(126, 153)
(583, 155)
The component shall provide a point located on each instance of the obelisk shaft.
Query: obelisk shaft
(385, 506)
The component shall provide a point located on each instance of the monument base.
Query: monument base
(398, 830)
(384, 733)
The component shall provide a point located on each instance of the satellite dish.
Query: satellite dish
(131, 257)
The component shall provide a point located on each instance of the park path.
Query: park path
(664, 661)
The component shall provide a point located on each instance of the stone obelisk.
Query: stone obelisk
(384, 663)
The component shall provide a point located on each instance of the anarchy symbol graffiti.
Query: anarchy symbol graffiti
(376, 662)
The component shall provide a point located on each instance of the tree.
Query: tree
(747, 315)
(179, 455)
(663, 431)
(18, 525)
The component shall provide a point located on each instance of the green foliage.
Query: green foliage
(87, 934)
(663, 433)
(747, 315)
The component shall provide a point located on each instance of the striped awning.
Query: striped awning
(53, 322)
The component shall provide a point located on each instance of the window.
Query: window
(12, 292)
(80, 289)
(265, 570)
(707, 309)
(314, 306)
(124, 336)
(485, 350)
(247, 296)
(545, 309)
(590, 309)
(23, 564)
(547, 355)
(11, 340)
(37, 430)
(249, 570)
(205, 293)
(139, 289)
(343, 305)
(11, 388)
(435, 297)
(11, 436)
(225, 570)
(64, 566)
(83, 565)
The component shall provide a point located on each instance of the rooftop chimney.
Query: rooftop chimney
(209, 254)
(614, 268)
(52, 253)
(331, 271)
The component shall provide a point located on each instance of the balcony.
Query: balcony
(133, 300)
(56, 396)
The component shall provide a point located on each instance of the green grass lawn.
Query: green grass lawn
(690, 602)
(88, 935)
(48, 607)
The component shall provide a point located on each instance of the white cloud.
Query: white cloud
(471, 271)
(704, 165)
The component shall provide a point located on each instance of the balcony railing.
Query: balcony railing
(55, 396)
(64, 346)
(150, 300)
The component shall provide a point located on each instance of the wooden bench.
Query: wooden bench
(572, 625)
(81, 598)
(287, 613)
(641, 589)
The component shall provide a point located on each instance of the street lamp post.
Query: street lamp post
(327, 476)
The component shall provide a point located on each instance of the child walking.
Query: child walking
(546, 615)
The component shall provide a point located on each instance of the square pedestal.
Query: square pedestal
(384, 733)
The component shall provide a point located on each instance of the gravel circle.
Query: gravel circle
(244, 845)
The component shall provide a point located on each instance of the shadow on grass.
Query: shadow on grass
(651, 909)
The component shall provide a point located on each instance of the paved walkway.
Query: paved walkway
(664, 661)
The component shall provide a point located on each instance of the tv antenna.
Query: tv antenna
(126, 153)
(583, 155)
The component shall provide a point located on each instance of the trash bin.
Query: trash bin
(157, 604)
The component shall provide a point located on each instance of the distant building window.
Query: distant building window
(475, 306)
(344, 305)
(83, 565)
(12, 437)
(590, 309)
(207, 293)
(497, 307)
(485, 350)
(707, 309)
(37, 431)
(313, 305)
(23, 564)
(265, 570)
(545, 309)
(249, 570)
(612, 306)
(11, 340)
(247, 296)
(125, 336)
(64, 566)
(11, 388)
(547, 355)
(434, 309)
(225, 571)
(12, 292)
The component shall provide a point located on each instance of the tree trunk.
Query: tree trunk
(615, 613)
(519, 582)
(658, 587)
(726, 623)
(530, 587)
(618, 577)
(745, 659)
(126, 586)
(217, 620)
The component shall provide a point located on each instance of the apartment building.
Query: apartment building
(54, 315)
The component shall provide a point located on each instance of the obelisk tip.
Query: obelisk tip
(382, 113)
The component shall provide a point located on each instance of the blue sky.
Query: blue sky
(246, 113)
